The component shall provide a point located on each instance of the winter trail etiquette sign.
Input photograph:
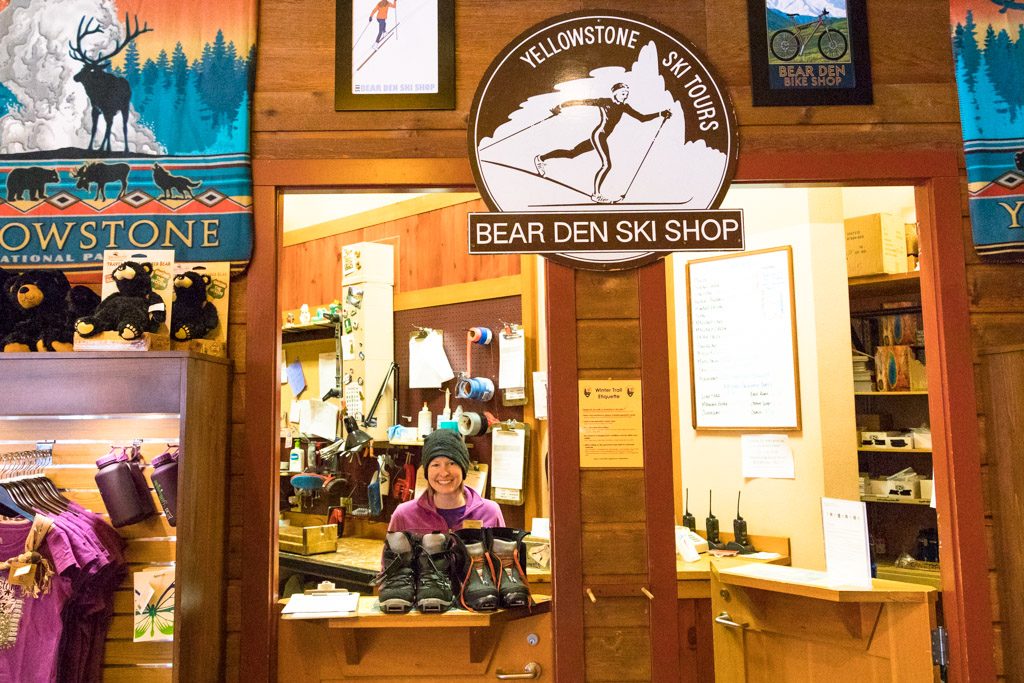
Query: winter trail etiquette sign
(123, 126)
(602, 141)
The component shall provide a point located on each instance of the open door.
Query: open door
(774, 623)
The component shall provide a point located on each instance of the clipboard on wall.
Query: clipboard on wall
(510, 446)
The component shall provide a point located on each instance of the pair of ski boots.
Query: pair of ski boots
(416, 573)
(490, 567)
(486, 567)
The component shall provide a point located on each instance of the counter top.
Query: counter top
(815, 584)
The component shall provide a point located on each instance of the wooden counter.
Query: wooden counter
(457, 644)
(781, 623)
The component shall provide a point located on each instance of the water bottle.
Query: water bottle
(118, 489)
(165, 481)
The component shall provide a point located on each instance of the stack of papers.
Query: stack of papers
(322, 603)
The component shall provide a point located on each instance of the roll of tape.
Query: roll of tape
(480, 335)
(475, 388)
(472, 424)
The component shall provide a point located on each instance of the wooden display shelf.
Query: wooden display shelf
(890, 393)
(885, 285)
(482, 630)
(897, 501)
(880, 449)
(291, 334)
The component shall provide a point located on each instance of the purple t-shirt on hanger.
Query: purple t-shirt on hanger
(30, 628)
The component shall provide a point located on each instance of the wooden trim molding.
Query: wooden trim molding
(431, 201)
(658, 468)
(955, 446)
(508, 285)
(262, 383)
(564, 470)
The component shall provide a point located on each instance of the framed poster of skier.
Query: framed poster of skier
(394, 54)
(808, 52)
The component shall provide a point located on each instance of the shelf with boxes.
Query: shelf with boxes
(891, 396)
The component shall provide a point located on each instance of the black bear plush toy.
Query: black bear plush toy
(192, 315)
(10, 314)
(46, 307)
(133, 309)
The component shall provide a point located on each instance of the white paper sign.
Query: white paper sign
(321, 420)
(767, 456)
(428, 363)
(327, 372)
(512, 367)
(508, 449)
(540, 395)
(847, 556)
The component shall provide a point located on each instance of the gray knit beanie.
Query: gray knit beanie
(445, 442)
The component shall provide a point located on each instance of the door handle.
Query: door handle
(725, 620)
(529, 672)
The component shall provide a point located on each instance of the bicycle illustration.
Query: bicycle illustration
(789, 43)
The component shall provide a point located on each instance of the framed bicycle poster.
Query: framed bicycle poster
(394, 55)
(809, 52)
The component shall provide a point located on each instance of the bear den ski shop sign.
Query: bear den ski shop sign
(602, 141)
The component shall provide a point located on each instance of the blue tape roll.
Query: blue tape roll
(480, 335)
(475, 389)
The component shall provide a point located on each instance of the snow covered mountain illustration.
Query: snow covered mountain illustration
(577, 145)
(809, 8)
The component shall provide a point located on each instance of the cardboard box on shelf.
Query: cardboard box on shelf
(875, 244)
(895, 330)
(892, 368)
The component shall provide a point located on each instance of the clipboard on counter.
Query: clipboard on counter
(510, 446)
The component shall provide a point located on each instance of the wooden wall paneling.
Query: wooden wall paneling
(429, 253)
(612, 496)
(262, 439)
(1005, 371)
(608, 344)
(658, 468)
(202, 522)
(564, 473)
(951, 399)
(618, 655)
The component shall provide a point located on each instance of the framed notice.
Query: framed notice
(809, 52)
(394, 54)
(744, 372)
(611, 423)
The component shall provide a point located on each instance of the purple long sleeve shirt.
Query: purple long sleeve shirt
(421, 516)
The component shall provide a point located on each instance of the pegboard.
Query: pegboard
(455, 320)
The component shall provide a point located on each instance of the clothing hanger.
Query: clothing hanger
(9, 506)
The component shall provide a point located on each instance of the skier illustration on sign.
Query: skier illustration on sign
(611, 109)
(380, 10)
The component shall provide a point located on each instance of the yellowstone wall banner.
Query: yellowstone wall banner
(124, 124)
(988, 48)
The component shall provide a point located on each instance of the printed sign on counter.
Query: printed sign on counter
(847, 557)
(611, 423)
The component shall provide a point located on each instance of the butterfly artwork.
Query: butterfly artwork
(154, 616)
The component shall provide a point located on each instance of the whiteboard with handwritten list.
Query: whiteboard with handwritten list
(743, 353)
